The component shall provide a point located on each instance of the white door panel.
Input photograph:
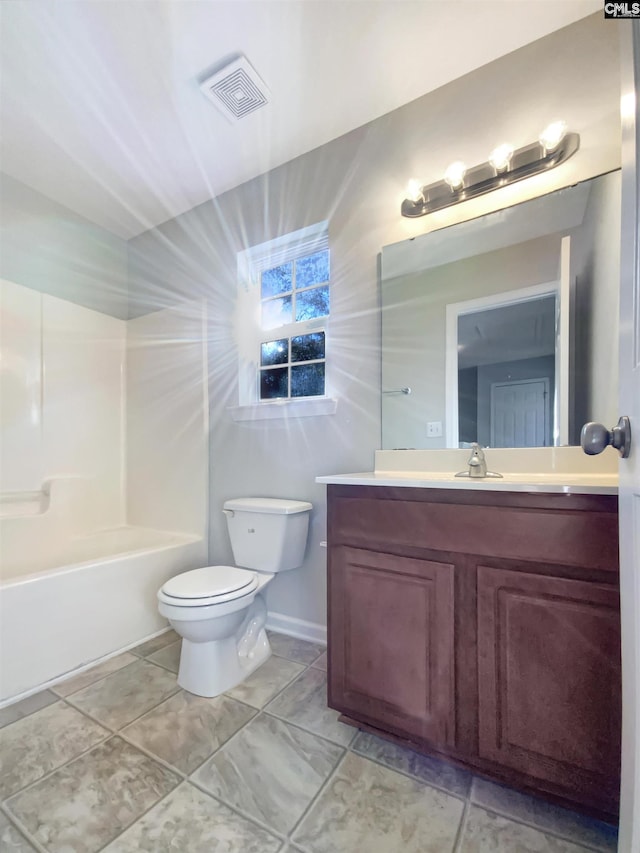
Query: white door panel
(629, 499)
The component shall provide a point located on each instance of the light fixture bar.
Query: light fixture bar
(478, 180)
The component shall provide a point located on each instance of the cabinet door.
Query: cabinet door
(391, 642)
(549, 679)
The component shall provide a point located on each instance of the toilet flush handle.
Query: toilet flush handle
(229, 512)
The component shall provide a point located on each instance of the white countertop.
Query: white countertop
(579, 484)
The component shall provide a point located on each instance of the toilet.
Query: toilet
(219, 611)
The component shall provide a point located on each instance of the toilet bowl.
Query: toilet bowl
(219, 611)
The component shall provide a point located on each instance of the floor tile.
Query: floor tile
(27, 706)
(486, 832)
(88, 803)
(11, 840)
(423, 767)
(371, 809)
(190, 821)
(304, 703)
(545, 816)
(321, 662)
(168, 657)
(147, 648)
(119, 698)
(301, 651)
(271, 771)
(186, 729)
(266, 681)
(37, 744)
(90, 676)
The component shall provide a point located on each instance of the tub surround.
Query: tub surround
(537, 469)
(103, 477)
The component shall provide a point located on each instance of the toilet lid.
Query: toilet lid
(211, 582)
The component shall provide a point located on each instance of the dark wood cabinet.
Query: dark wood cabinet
(393, 641)
(483, 627)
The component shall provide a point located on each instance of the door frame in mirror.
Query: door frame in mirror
(454, 310)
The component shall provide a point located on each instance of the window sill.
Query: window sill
(284, 409)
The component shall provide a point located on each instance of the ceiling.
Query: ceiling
(100, 107)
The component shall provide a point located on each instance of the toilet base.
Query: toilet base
(211, 668)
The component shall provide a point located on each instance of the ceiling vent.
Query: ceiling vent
(236, 89)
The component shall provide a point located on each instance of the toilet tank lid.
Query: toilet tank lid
(278, 506)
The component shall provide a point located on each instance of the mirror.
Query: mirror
(503, 329)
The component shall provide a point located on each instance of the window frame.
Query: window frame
(248, 323)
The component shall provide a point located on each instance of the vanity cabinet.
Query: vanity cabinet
(482, 627)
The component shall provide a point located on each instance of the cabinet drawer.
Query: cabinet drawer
(549, 530)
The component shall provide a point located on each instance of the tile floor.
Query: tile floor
(120, 759)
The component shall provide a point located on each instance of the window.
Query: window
(283, 311)
(293, 294)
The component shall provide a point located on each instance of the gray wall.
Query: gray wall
(49, 248)
(357, 184)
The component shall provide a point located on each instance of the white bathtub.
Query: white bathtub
(97, 600)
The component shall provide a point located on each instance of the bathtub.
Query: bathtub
(96, 599)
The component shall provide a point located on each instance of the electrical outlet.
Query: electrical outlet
(434, 429)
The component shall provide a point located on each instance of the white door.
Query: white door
(519, 413)
(630, 468)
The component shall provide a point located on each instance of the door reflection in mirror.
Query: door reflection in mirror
(564, 243)
(506, 369)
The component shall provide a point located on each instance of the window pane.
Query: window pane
(276, 312)
(312, 303)
(274, 383)
(314, 269)
(307, 380)
(277, 280)
(307, 347)
(274, 352)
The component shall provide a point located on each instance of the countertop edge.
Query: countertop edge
(568, 485)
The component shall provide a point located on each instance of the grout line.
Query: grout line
(457, 845)
(256, 714)
(554, 833)
(309, 731)
(17, 824)
(92, 683)
(158, 759)
(275, 695)
(117, 730)
(240, 812)
(49, 773)
(29, 713)
(315, 800)
(462, 797)
(140, 816)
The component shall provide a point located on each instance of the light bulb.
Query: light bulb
(552, 135)
(501, 157)
(455, 173)
(414, 191)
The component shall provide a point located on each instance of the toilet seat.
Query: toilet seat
(208, 585)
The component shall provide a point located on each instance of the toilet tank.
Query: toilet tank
(267, 534)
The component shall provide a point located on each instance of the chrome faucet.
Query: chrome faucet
(477, 465)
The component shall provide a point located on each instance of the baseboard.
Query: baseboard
(300, 628)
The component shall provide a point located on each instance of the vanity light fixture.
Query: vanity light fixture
(454, 176)
(501, 156)
(505, 166)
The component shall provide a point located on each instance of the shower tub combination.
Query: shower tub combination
(96, 599)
